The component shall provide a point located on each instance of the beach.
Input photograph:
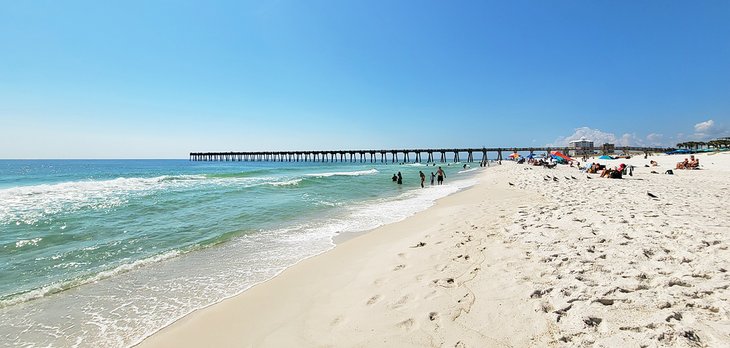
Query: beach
(515, 260)
(107, 252)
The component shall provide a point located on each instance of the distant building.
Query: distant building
(608, 148)
(580, 147)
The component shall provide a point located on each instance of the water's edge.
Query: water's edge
(336, 240)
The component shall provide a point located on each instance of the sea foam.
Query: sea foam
(353, 173)
(29, 204)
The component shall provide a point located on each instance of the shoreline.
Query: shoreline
(515, 260)
(344, 237)
(329, 269)
(214, 273)
(336, 241)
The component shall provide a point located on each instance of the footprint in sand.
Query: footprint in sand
(445, 282)
(336, 321)
(433, 316)
(399, 267)
(430, 295)
(401, 301)
(373, 299)
(406, 324)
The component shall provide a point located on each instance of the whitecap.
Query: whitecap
(293, 182)
(355, 173)
(24, 242)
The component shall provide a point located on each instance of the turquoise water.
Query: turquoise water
(105, 253)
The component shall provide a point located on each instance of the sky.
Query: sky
(160, 79)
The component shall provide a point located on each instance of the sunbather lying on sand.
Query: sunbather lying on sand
(682, 165)
(691, 163)
(615, 173)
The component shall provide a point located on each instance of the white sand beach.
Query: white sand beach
(514, 261)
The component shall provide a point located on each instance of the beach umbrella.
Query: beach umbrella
(560, 155)
(514, 155)
(605, 157)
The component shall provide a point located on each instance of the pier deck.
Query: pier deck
(393, 155)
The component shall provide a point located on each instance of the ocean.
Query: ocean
(107, 252)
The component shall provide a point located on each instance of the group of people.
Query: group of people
(606, 172)
(615, 173)
(439, 176)
(691, 163)
(595, 168)
(549, 163)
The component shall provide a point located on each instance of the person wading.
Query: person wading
(440, 175)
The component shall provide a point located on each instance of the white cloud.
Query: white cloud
(708, 130)
(655, 139)
(630, 140)
(595, 135)
(599, 137)
(704, 127)
(703, 131)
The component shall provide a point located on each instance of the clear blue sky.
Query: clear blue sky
(158, 79)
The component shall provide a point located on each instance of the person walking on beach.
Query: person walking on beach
(433, 176)
(400, 179)
(440, 176)
(423, 177)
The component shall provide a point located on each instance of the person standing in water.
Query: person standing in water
(400, 179)
(395, 178)
(440, 176)
(433, 176)
(423, 177)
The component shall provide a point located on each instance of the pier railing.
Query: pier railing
(397, 155)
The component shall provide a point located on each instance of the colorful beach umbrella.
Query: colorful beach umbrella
(561, 155)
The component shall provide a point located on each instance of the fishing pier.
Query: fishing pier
(394, 156)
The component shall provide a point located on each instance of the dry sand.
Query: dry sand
(514, 261)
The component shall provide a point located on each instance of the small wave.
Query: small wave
(355, 173)
(293, 182)
(468, 170)
(61, 286)
(180, 177)
(30, 204)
